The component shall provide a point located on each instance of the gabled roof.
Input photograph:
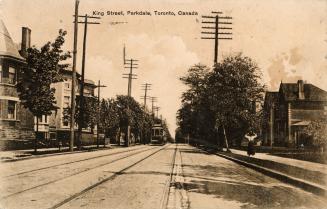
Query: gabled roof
(311, 92)
(7, 45)
(271, 98)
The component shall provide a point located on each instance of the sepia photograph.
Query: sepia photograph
(163, 104)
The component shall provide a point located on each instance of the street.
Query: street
(169, 176)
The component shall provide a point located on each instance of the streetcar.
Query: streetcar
(158, 135)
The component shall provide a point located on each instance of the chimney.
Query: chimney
(300, 85)
(26, 41)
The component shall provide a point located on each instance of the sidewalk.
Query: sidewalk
(14, 155)
(288, 161)
(309, 176)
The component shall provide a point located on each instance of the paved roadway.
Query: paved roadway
(171, 176)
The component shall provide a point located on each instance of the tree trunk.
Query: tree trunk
(36, 135)
(217, 137)
(225, 137)
(119, 135)
(141, 137)
(127, 137)
(79, 137)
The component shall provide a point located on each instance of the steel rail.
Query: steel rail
(74, 174)
(71, 162)
(74, 196)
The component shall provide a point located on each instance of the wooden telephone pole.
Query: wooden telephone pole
(218, 22)
(73, 93)
(146, 87)
(99, 86)
(153, 100)
(81, 96)
(131, 64)
(156, 108)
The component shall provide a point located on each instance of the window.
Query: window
(12, 75)
(87, 92)
(11, 110)
(66, 101)
(65, 123)
(65, 118)
(67, 86)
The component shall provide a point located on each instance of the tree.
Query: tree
(42, 69)
(90, 112)
(317, 129)
(234, 86)
(194, 116)
(109, 117)
(221, 101)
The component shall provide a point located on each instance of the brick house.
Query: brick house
(289, 110)
(16, 122)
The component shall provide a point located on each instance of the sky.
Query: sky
(287, 38)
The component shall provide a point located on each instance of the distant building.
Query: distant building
(16, 122)
(288, 111)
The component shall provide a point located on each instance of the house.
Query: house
(16, 122)
(287, 112)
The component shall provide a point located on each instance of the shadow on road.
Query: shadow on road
(231, 182)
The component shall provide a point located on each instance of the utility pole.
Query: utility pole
(81, 100)
(153, 100)
(157, 110)
(73, 93)
(99, 86)
(218, 23)
(146, 88)
(131, 65)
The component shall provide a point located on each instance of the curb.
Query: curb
(308, 186)
(49, 155)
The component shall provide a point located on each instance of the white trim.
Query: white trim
(10, 98)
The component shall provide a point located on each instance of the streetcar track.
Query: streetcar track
(67, 163)
(184, 186)
(65, 201)
(74, 174)
(165, 197)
